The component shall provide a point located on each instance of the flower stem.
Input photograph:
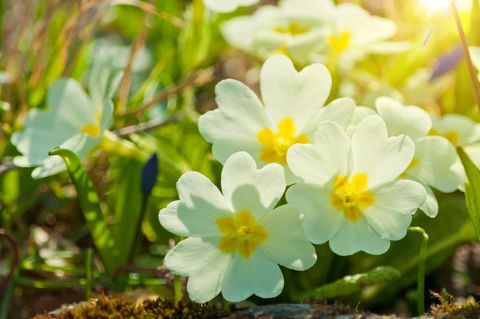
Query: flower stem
(466, 52)
(178, 288)
(421, 269)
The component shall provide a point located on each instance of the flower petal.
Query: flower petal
(399, 118)
(391, 213)
(459, 129)
(70, 104)
(357, 236)
(339, 111)
(382, 158)
(430, 206)
(435, 160)
(320, 219)
(169, 220)
(318, 163)
(258, 275)
(288, 93)
(240, 172)
(205, 283)
(239, 116)
(80, 144)
(201, 204)
(286, 243)
(191, 254)
(222, 6)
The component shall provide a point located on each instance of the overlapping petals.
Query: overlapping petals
(351, 195)
(293, 105)
(236, 239)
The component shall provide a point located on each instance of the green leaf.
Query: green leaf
(352, 284)
(472, 190)
(89, 203)
(127, 203)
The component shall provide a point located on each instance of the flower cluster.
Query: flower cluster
(312, 31)
(356, 176)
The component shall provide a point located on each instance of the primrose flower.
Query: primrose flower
(237, 239)
(460, 131)
(223, 6)
(351, 194)
(72, 121)
(436, 163)
(295, 28)
(293, 108)
(355, 33)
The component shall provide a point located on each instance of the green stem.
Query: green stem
(89, 271)
(421, 269)
(178, 288)
(115, 145)
(466, 52)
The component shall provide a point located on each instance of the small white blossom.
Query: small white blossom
(460, 131)
(351, 194)
(296, 28)
(225, 6)
(356, 33)
(71, 121)
(435, 163)
(290, 113)
(237, 238)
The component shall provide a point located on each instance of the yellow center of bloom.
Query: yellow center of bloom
(240, 232)
(412, 164)
(293, 28)
(351, 196)
(275, 145)
(340, 42)
(91, 129)
(452, 136)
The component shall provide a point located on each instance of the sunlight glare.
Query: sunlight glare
(435, 5)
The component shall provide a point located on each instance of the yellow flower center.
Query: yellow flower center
(275, 145)
(452, 136)
(340, 42)
(91, 129)
(240, 232)
(293, 28)
(412, 164)
(350, 197)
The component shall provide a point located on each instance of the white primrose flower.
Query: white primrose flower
(351, 194)
(436, 163)
(225, 6)
(291, 110)
(295, 28)
(72, 121)
(460, 131)
(237, 238)
(356, 33)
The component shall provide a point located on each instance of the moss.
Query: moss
(122, 308)
(447, 307)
